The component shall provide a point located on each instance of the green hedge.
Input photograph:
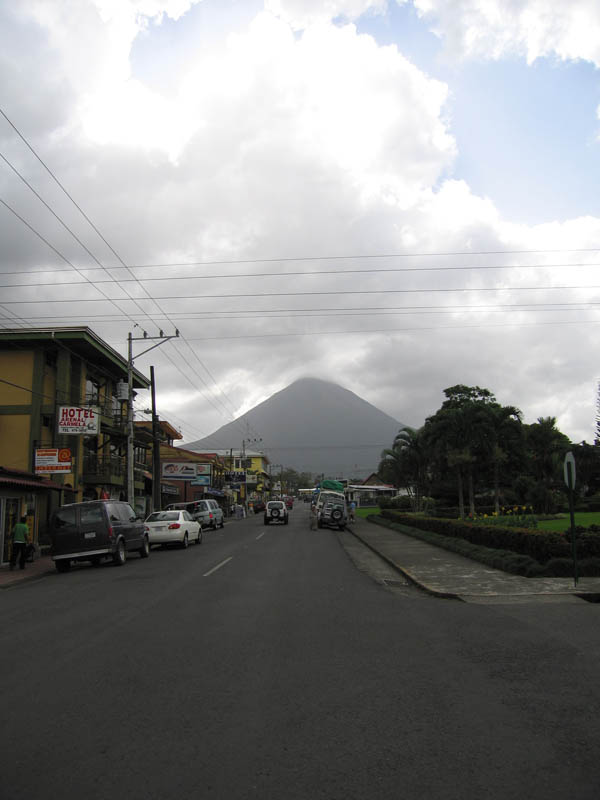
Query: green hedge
(542, 546)
(506, 560)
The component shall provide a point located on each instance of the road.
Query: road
(265, 664)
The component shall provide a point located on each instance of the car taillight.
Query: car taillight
(110, 532)
(147, 529)
(174, 525)
(210, 516)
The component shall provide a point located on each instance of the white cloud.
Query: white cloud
(281, 144)
(530, 28)
(300, 14)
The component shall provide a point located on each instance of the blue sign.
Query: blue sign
(201, 480)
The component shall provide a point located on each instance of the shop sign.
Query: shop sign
(201, 480)
(204, 469)
(181, 470)
(166, 489)
(52, 460)
(251, 478)
(79, 419)
(235, 477)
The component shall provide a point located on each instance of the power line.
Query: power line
(323, 293)
(305, 274)
(58, 253)
(101, 237)
(287, 259)
(395, 330)
(350, 311)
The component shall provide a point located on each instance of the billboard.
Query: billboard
(50, 460)
(181, 470)
(79, 419)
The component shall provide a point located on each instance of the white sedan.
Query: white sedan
(164, 527)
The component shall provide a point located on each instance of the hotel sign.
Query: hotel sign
(79, 419)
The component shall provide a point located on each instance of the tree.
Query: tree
(472, 431)
(458, 433)
(405, 464)
(546, 447)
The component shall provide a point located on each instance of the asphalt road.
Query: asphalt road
(265, 664)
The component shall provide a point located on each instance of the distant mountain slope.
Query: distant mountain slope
(313, 426)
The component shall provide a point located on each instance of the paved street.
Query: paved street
(271, 662)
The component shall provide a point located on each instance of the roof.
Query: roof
(167, 429)
(81, 340)
(17, 477)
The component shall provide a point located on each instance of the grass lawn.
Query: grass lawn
(364, 512)
(584, 518)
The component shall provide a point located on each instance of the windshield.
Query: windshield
(275, 505)
(161, 516)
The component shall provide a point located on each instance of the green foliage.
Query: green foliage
(498, 558)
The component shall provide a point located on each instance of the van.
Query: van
(207, 512)
(96, 530)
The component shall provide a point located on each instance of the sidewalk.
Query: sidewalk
(40, 567)
(446, 574)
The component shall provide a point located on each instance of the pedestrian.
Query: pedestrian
(352, 510)
(20, 539)
(313, 517)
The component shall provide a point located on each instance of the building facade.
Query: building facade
(63, 420)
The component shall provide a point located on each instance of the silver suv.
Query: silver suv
(207, 512)
(276, 511)
(332, 511)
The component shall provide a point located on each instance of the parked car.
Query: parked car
(164, 527)
(96, 530)
(258, 506)
(289, 502)
(207, 512)
(276, 511)
(332, 511)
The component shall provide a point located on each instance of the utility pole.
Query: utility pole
(130, 359)
(155, 448)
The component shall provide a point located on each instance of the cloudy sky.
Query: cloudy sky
(396, 195)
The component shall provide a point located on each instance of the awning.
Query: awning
(28, 484)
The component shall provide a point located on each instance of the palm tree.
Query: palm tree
(547, 446)
(406, 462)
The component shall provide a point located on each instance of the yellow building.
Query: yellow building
(54, 380)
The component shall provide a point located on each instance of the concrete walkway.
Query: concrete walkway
(446, 574)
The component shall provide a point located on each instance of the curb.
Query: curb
(26, 579)
(405, 572)
(588, 596)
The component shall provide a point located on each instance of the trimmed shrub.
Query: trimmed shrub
(497, 558)
(542, 546)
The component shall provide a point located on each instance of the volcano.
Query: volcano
(311, 426)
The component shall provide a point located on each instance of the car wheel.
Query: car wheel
(185, 541)
(145, 548)
(266, 521)
(285, 521)
(120, 556)
(64, 565)
(336, 515)
(199, 539)
(222, 523)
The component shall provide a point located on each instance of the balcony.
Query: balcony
(113, 415)
(104, 468)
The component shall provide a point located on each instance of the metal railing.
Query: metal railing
(103, 465)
